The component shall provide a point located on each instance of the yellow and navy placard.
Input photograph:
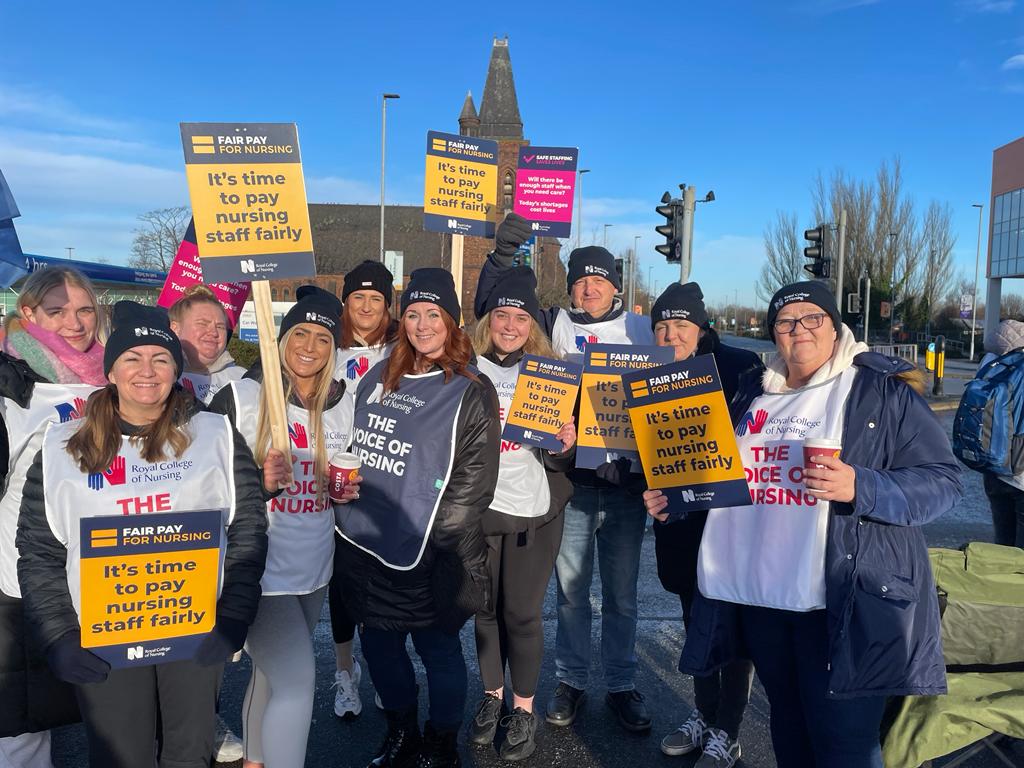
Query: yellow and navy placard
(604, 432)
(149, 585)
(685, 435)
(461, 185)
(543, 401)
(248, 201)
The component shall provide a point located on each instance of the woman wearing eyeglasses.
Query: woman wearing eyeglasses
(823, 581)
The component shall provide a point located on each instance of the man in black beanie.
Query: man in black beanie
(602, 513)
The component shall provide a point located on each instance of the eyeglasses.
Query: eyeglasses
(810, 322)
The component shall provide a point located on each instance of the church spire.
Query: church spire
(469, 121)
(499, 107)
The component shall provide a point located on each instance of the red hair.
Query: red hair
(455, 356)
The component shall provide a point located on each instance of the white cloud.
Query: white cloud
(51, 109)
(1014, 62)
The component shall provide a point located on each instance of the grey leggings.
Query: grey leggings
(279, 700)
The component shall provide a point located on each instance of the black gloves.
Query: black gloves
(70, 662)
(511, 234)
(615, 472)
(220, 645)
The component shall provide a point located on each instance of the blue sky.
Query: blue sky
(750, 99)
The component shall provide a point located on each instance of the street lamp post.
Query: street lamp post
(579, 205)
(383, 123)
(977, 258)
(606, 235)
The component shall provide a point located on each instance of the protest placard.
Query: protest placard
(685, 436)
(461, 184)
(545, 180)
(149, 585)
(186, 271)
(605, 433)
(543, 401)
(248, 200)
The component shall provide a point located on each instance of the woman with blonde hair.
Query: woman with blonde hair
(131, 431)
(52, 360)
(279, 700)
(413, 559)
(199, 320)
(523, 527)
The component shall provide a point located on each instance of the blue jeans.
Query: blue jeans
(395, 679)
(615, 521)
(809, 730)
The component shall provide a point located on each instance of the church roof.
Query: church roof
(468, 108)
(499, 107)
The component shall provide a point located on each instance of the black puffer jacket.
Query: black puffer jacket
(41, 565)
(450, 583)
(676, 544)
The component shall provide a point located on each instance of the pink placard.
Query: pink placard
(545, 180)
(186, 272)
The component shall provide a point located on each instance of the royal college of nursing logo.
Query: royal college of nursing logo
(112, 475)
(356, 367)
(582, 341)
(753, 422)
(70, 411)
(298, 435)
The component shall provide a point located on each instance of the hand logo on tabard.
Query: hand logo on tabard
(70, 411)
(755, 423)
(297, 433)
(114, 474)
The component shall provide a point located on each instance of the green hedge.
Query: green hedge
(245, 353)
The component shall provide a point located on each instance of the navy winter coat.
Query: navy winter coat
(883, 614)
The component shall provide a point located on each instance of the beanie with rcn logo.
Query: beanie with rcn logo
(317, 306)
(136, 325)
(810, 291)
(435, 286)
(517, 288)
(680, 301)
(592, 261)
(369, 276)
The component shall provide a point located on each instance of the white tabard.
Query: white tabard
(201, 478)
(300, 550)
(570, 339)
(50, 404)
(772, 553)
(205, 385)
(522, 488)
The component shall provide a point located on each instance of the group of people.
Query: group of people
(825, 592)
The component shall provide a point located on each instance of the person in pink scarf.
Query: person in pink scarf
(51, 360)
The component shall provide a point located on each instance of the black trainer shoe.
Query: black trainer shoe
(629, 707)
(519, 740)
(402, 744)
(485, 721)
(564, 705)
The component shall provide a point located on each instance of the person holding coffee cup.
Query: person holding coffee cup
(824, 581)
(413, 560)
(279, 700)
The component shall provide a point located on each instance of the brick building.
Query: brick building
(344, 235)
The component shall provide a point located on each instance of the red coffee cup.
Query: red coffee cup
(342, 468)
(820, 446)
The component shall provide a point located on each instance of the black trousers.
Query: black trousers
(343, 627)
(1007, 505)
(122, 715)
(510, 630)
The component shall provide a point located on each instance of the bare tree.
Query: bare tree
(784, 256)
(1012, 306)
(938, 241)
(157, 240)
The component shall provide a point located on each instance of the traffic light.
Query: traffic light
(819, 251)
(619, 268)
(672, 209)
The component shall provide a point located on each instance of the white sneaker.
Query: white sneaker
(687, 737)
(227, 748)
(719, 750)
(347, 704)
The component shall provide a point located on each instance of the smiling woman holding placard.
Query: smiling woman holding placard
(824, 582)
(141, 447)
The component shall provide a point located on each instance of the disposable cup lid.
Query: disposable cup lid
(346, 460)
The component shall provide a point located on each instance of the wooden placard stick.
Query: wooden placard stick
(458, 248)
(270, 361)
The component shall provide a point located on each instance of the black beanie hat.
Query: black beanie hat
(369, 276)
(433, 285)
(317, 306)
(136, 325)
(592, 260)
(680, 301)
(517, 288)
(811, 291)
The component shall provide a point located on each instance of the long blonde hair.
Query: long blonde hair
(315, 406)
(537, 342)
(42, 281)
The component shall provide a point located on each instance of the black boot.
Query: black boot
(439, 750)
(402, 743)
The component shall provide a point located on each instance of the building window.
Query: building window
(508, 190)
(1008, 234)
(286, 294)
